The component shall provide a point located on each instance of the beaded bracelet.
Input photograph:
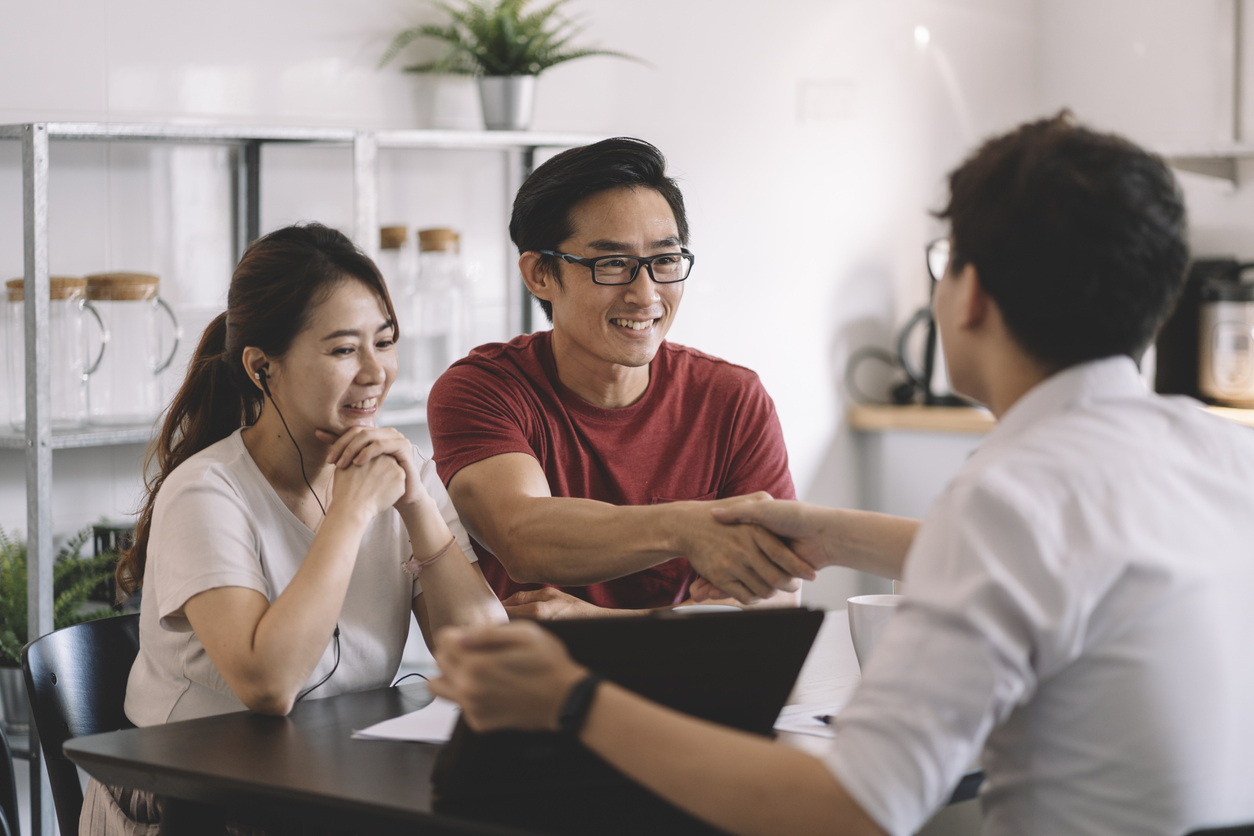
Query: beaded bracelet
(413, 566)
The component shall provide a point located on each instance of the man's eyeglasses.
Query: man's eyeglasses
(938, 258)
(664, 268)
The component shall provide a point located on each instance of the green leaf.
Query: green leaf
(398, 43)
(74, 578)
(498, 37)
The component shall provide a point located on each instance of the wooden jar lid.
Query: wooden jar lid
(122, 287)
(441, 239)
(392, 237)
(61, 287)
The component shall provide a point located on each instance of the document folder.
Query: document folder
(735, 669)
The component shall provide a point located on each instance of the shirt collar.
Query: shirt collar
(1110, 378)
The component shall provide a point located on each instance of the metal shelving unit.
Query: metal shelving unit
(39, 441)
(64, 440)
(143, 433)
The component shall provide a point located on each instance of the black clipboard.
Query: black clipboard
(732, 668)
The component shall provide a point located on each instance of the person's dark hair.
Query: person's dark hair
(541, 219)
(1078, 236)
(282, 277)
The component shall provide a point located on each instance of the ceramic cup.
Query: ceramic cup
(868, 615)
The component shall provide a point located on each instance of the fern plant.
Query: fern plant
(73, 579)
(498, 38)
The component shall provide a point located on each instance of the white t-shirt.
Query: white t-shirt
(217, 522)
(1080, 602)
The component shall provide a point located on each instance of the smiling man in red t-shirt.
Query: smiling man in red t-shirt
(585, 460)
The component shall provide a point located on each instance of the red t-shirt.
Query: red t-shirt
(704, 429)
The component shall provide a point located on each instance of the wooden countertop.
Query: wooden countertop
(965, 419)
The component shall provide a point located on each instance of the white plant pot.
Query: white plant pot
(508, 101)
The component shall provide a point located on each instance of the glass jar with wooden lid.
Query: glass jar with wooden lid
(126, 389)
(437, 311)
(72, 357)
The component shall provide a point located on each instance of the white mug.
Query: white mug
(868, 616)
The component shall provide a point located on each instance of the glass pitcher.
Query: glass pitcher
(70, 360)
(126, 389)
(437, 310)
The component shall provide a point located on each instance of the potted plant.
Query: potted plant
(505, 47)
(73, 580)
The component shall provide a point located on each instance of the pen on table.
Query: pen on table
(825, 719)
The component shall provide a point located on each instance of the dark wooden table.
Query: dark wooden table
(307, 767)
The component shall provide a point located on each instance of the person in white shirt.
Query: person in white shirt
(1077, 604)
(282, 535)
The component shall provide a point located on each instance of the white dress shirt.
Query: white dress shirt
(1079, 602)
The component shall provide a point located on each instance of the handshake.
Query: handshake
(750, 549)
(758, 546)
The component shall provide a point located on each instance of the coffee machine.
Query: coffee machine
(1226, 341)
(1206, 349)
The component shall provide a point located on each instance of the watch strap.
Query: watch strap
(578, 702)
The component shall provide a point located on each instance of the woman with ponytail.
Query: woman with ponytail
(282, 534)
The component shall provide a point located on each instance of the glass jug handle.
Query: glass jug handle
(178, 335)
(104, 337)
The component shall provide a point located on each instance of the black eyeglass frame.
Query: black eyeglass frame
(935, 246)
(645, 261)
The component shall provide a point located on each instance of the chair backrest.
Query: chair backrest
(1236, 830)
(76, 678)
(9, 825)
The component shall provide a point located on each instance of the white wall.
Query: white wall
(810, 136)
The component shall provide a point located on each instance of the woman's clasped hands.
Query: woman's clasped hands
(374, 469)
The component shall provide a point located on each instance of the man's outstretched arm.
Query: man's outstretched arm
(505, 503)
(862, 540)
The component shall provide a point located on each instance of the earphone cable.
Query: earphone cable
(324, 679)
(408, 675)
(261, 376)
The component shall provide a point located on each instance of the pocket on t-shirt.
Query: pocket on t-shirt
(659, 500)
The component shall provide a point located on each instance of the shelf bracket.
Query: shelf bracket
(526, 164)
(1220, 168)
(246, 158)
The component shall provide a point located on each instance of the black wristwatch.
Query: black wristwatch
(575, 710)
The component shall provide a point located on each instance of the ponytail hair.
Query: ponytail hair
(282, 277)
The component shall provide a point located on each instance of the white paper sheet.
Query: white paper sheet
(804, 718)
(431, 724)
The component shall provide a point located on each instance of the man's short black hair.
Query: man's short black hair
(1078, 236)
(541, 219)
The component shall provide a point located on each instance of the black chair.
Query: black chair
(8, 791)
(76, 679)
(1235, 830)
